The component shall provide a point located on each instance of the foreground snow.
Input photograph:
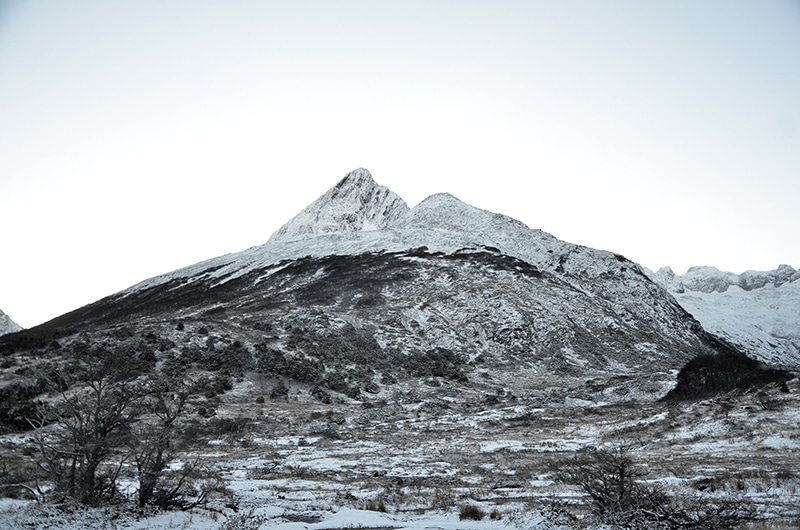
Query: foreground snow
(28, 516)
(298, 467)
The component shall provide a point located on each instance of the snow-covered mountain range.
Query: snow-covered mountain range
(759, 312)
(7, 325)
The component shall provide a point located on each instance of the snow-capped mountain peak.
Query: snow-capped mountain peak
(355, 204)
(442, 211)
(705, 279)
(7, 325)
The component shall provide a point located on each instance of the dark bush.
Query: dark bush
(18, 407)
(279, 391)
(471, 512)
(439, 362)
(707, 375)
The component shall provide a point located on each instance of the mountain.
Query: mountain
(355, 204)
(358, 290)
(7, 325)
(757, 311)
(371, 356)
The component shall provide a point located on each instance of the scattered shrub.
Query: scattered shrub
(279, 391)
(376, 505)
(471, 512)
(620, 499)
(18, 406)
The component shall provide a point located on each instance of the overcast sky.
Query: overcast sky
(137, 137)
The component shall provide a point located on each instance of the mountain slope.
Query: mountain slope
(358, 290)
(7, 325)
(757, 311)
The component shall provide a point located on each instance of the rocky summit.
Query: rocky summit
(7, 325)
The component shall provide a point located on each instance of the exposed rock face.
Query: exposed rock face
(7, 325)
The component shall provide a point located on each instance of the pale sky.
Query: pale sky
(137, 137)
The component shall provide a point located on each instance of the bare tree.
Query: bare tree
(151, 445)
(92, 420)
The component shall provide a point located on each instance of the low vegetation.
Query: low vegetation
(620, 497)
(164, 418)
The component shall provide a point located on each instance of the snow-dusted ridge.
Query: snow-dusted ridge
(358, 215)
(443, 274)
(705, 279)
(756, 311)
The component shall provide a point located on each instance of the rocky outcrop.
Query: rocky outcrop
(712, 280)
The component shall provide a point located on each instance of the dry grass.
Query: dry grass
(404, 457)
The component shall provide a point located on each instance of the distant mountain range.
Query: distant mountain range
(759, 312)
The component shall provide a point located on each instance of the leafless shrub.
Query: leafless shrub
(621, 499)
(472, 512)
(442, 499)
(243, 521)
(376, 505)
(93, 420)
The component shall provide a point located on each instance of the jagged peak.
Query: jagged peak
(707, 279)
(356, 203)
(7, 325)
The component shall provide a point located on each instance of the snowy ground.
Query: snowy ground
(302, 465)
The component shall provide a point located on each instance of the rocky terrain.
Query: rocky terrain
(376, 365)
